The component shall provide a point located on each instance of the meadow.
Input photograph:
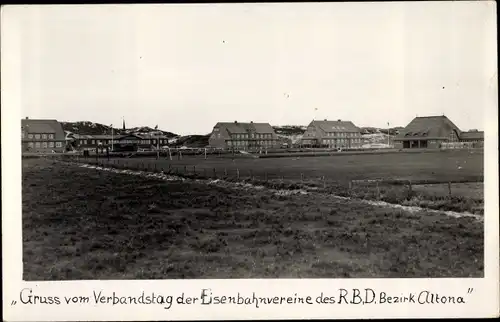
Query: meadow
(81, 223)
(443, 180)
(438, 167)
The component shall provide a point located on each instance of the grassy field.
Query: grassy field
(85, 224)
(435, 166)
(335, 173)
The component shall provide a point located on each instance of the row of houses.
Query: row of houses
(248, 136)
(422, 132)
(430, 132)
(45, 136)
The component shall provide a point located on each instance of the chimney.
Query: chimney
(26, 117)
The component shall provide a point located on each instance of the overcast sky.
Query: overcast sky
(187, 67)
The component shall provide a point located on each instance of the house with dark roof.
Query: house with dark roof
(42, 136)
(473, 136)
(243, 136)
(433, 132)
(331, 134)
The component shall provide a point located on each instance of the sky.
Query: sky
(187, 67)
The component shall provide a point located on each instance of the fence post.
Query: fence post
(449, 189)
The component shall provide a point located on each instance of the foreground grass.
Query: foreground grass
(85, 224)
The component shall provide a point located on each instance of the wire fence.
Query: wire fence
(348, 187)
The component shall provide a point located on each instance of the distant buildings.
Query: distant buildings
(430, 132)
(42, 136)
(243, 136)
(129, 142)
(434, 132)
(331, 134)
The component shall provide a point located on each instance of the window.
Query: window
(51, 144)
(44, 136)
(37, 136)
(51, 136)
(44, 145)
(58, 144)
(229, 143)
(30, 136)
(93, 141)
(22, 134)
(37, 144)
(30, 144)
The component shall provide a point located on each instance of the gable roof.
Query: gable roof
(428, 127)
(335, 126)
(43, 126)
(239, 128)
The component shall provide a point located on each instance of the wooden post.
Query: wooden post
(169, 154)
(449, 189)
(205, 153)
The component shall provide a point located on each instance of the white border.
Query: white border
(483, 302)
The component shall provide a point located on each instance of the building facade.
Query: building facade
(331, 134)
(434, 132)
(129, 142)
(243, 136)
(42, 136)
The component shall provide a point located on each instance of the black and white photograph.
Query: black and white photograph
(254, 141)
